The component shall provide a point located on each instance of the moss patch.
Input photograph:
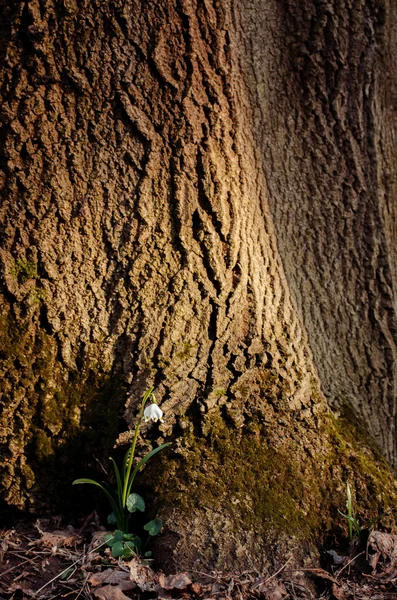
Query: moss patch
(240, 473)
(351, 447)
(52, 421)
(283, 479)
(23, 270)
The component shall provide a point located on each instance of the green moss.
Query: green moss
(185, 351)
(219, 392)
(50, 419)
(23, 270)
(275, 476)
(240, 473)
(37, 295)
(80, 423)
(354, 450)
(43, 445)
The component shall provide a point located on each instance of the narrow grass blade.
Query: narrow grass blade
(118, 478)
(105, 491)
(352, 520)
(142, 462)
(125, 460)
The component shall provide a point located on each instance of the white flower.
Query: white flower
(153, 413)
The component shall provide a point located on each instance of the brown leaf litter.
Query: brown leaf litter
(45, 563)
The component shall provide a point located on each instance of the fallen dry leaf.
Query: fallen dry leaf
(180, 581)
(382, 545)
(142, 575)
(337, 592)
(272, 591)
(109, 592)
(162, 594)
(110, 577)
(98, 539)
(323, 575)
(58, 538)
(196, 588)
(22, 586)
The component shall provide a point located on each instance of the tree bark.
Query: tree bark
(326, 127)
(197, 196)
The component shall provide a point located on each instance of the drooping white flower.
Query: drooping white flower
(153, 413)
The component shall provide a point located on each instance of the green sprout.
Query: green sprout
(355, 531)
(121, 500)
(354, 527)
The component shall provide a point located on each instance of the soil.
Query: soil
(45, 560)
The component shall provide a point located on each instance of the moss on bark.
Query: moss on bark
(274, 479)
(53, 422)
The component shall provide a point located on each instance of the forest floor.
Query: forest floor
(45, 562)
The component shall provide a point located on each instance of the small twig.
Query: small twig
(369, 576)
(101, 465)
(69, 567)
(14, 567)
(271, 576)
(23, 574)
(349, 563)
(302, 588)
(21, 554)
(81, 590)
(205, 574)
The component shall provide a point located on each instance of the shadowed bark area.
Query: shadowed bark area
(151, 234)
(326, 125)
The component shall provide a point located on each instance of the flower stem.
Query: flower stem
(132, 451)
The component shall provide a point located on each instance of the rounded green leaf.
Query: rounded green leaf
(154, 526)
(134, 539)
(129, 550)
(135, 502)
(137, 542)
(111, 519)
(117, 549)
(118, 535)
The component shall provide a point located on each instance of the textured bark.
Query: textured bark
(189, 190)
(327, 127)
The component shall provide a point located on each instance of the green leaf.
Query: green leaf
(125, 460)
(85, 480)
(66, 574)
(154, 526)
(134, 545)
(135, 502)
(118, 535)
(108, 493)
(137, 542)
(378, 518)
(118, 479)
(143, 461)
(352, 520)
(128, 551)
(117, 549)
(111, 519)
(109, 539)
(148, 554)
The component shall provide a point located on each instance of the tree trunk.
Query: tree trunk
(197, 195)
